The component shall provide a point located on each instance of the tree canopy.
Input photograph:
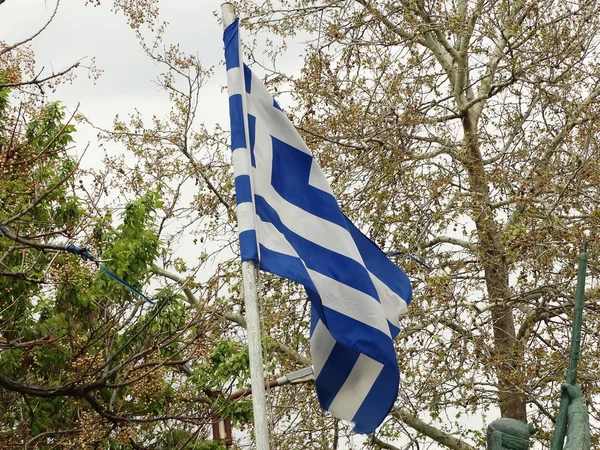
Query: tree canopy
(465, 133)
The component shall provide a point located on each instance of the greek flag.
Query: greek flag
(290, 222)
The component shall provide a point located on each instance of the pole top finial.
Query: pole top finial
(227, 13)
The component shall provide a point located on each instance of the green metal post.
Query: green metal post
(561, 420)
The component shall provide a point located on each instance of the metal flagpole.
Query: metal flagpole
(249, 277)
(257, 378)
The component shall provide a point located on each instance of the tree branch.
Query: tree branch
(383, 445)
(5, 231)
(235, 318)
(431, 432)
(22, 276)
(449, 240)
(69, 389)
(40, 31)
(388, 23)
(189, 295)
(37, 81)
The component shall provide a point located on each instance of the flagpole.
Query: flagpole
(249, 278)
(257, 378)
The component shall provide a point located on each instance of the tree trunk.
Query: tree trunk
(508, 353)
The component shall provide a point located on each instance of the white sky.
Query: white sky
(81, 32)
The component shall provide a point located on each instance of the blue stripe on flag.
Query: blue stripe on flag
(247, 79)
(372, 255)
(271, 261)
(316, 309)
(290, 172)
(394, 330)
(362, 337)
(232, 45)
(378, 403)
(252, 137)
(334, 373)
(248, 249)
(317, 258)
(314, 315)
(243, 190)
(236, 114)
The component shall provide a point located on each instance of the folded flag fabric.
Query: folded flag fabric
(290, 222)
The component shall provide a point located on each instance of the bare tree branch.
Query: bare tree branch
(449, 240)
(30, 38)
(235, 318)
(384, 445)
(431, 432)
(39, 81)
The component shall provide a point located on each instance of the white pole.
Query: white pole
(261, 428)
(249, 277)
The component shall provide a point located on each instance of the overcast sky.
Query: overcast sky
(128, 81)
(81, 32)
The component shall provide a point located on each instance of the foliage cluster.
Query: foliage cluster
(85, 363)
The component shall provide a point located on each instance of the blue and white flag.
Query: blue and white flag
(290, 222)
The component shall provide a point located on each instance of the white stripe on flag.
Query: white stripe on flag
(356, 388)
(350, 302)
(235, 84)
(393, 305)
(309, 226)
(260, 104)
(321, 351)
(241, 161)
(272, 239)
(317, 179)
(246, 215)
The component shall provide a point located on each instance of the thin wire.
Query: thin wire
(85, 255)
(414, 258)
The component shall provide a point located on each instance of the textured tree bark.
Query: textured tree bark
(491, 253)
